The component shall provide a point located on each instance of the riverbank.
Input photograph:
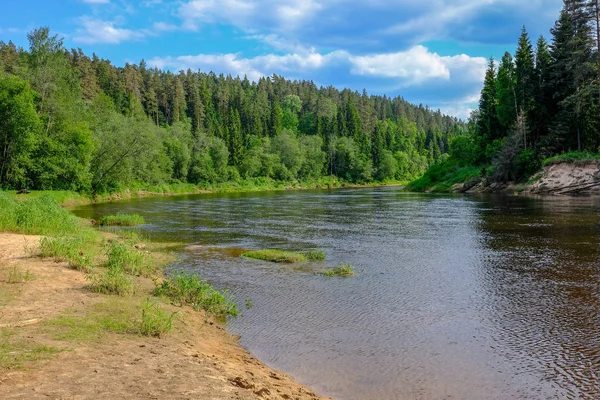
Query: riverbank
(73, 199)
(81, 317)
(58, 341)
(559, 177)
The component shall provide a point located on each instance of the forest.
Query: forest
(71, 122)
(541, 102)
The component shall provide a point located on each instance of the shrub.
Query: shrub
(184, 288)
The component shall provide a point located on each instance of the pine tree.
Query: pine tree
(506, 93)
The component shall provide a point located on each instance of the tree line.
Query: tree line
(542, 101)
(68, 121)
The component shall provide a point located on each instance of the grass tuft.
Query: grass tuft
(184, 288)
(121, 220)
(278, 256)
(572, 157)
(130, 260)
(155, 321)
(79, 251)
(315, 255)
(113, 281)
(342, 270)
(15, 275)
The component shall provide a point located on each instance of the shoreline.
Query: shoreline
(198, 359)
(73, 199)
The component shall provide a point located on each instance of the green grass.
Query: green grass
(36, 216)
(315, 255)
(112, 281)
(130, 260)
(185, 288)
(79, 251)
(121, 220)
(15, 275)
(441, 177)
(342, 270)
(115, 315)
(572, 157)
(277, 256)
(155, 321)
(17, 354)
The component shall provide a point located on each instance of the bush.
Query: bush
(572, 157)
(155, 321)
(184, 288)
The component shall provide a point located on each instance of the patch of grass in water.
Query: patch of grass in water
(315, 255)
(278, 256)
(121, 220)
(185, 288)
(343, 270)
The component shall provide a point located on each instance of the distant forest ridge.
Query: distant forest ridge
(68, 121)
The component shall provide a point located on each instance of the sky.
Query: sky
(432, 52)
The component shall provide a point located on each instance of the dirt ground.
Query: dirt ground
(567, 175)
(198, 360)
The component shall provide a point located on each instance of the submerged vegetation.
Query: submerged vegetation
(343, 270)
(277, 256)
(121, 220)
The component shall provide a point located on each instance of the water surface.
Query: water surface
(455, 297)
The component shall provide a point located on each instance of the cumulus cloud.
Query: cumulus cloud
(93, 30)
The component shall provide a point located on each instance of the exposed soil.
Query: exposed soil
(198, 360)
(563, 178)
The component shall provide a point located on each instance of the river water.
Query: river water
(455, 297)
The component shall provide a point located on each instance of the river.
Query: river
(455, 297)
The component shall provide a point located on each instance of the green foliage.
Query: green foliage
(71, 122)
(185, 288)
(155, 321)
(572, 157)
(441, 177)
(132, 261)
(121, 220)
(343, 270)
(19, 125)
(277, 256)
(315, 255)
(112, 281)
(38, 216)
(79, 251)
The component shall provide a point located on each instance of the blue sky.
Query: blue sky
(432, 52)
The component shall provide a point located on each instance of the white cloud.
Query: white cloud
(412, 67)
(98, 31)
(236, 12)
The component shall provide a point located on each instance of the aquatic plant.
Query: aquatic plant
(342, 270)
(277, 256)
(121, 220)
